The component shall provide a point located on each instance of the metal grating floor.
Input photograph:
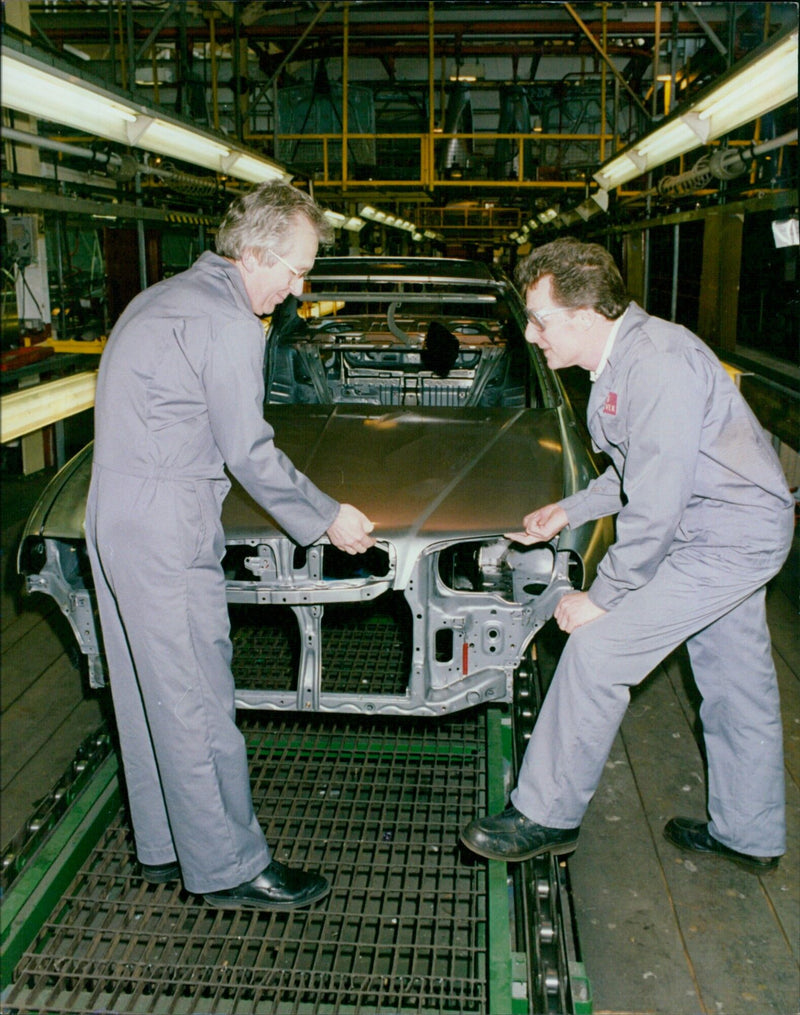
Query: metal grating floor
(367, 647)
(376, 807)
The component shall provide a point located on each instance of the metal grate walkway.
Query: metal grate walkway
(376, 807)
(367, 647)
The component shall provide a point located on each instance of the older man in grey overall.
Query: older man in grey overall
(180, 395)
(704, 520)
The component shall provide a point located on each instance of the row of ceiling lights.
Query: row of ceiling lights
(761, 83)
(355, 223)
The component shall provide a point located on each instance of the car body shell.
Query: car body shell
(444, 456)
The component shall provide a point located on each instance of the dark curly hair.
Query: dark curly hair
(583, 275)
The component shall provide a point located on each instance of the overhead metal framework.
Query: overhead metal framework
(431, 107)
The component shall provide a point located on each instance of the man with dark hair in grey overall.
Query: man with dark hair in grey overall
(180, 395)
(704, 520)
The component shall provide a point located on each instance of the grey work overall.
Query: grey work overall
(705, 519)
(180, 394)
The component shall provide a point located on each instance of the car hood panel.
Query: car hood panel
(432, 471)
(417, 472)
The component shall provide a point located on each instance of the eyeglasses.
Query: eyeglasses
(297, 274)
(538, 317)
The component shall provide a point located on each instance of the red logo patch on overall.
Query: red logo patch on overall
(610, 407)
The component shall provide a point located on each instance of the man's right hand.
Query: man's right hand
(350, 530)
(541, 525)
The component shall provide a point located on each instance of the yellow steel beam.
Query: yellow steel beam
(71, 345)
(345, 86)
(23, 412)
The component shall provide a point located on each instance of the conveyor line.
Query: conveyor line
(414, 923)
(374, 806)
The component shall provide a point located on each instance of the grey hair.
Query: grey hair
(582, 275)
(263, 217)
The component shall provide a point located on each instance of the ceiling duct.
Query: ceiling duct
(311, 109)
(458, 120)
(515, 118)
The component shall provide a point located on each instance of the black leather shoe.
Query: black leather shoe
(694, 837)
(276, 887)
(512, 836)
(161, 873)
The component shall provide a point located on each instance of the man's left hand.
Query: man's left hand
(574, 610)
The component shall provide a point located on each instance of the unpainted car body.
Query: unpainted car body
(404, 386)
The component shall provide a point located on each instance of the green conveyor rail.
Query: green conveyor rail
(507, 969)
(413, 923)
(37, 890)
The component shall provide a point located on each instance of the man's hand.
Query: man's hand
(541, 525)
(574, 610)
(350, 530)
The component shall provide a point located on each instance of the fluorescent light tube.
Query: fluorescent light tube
(38, 89)
(760, 83)
(179, 142)
(251, 169)
(38, 93)
(336, 219)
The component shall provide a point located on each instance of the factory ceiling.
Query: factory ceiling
(475, 116)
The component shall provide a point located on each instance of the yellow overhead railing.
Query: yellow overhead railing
(334, 171)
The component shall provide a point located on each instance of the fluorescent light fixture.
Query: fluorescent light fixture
(252, 168)
(34, 90)
(520, 236)
(593, 204)
(74, 51)
(468, 72)
(376, 215)
(42, 90)
(353, 224)
(569, 217)
(178, 142)
(336, 219)
(758, 84)
(786, 233)
(373, 213)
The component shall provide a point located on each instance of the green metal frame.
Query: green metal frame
(506, 968)
(35, 893)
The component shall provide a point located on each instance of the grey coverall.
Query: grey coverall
(705, 519)
(180, 392)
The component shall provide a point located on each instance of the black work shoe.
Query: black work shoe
(694, 837)
(512, 836)
(276, 887)
(161, 873)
